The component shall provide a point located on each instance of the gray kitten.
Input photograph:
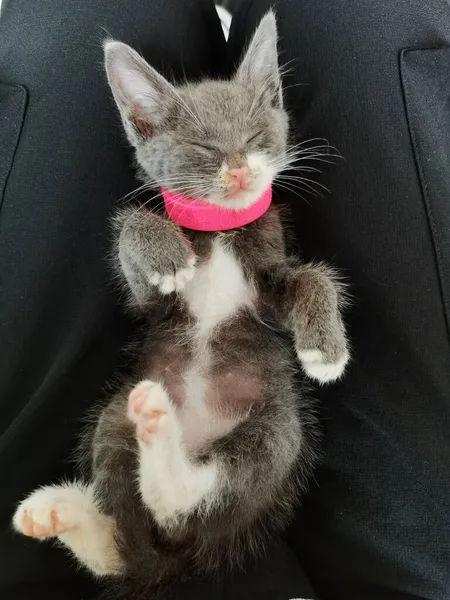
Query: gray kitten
(199, 458)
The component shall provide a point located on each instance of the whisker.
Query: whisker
(135, 193)
(307, 187)
(197, 121)
(305, 180)
(292, 191)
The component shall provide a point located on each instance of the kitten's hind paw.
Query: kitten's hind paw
(149, 408)
(316, 366)
(47, 512)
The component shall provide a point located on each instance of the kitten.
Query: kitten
(201, 455)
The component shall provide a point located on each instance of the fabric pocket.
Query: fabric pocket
(426, 84)
(13, 99)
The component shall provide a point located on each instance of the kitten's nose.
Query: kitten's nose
(240, 177)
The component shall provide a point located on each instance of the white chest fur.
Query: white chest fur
(218, 289)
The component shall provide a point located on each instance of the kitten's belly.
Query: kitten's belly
(210, 400)
(211, 395)
(214, 403)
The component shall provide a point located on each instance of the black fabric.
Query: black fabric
(377, 84)
(426, 87)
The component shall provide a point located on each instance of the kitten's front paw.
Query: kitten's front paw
(174, 283)
(317, 367)
(153, 252)
(45, 513)
(150, 409)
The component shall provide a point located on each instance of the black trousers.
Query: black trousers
(376, 78)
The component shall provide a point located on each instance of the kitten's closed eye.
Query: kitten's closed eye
(254, 137)
(207, 147)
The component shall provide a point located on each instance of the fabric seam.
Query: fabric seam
(423, 183)
(15, 139)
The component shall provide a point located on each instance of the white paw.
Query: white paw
(150, 409)
(47, 512)
(174, 283)
(315, 367)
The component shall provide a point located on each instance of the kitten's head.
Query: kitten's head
(220, 141)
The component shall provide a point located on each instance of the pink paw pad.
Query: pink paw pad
(136, 400)
(142, 411)
(149, 425)
(37, 530)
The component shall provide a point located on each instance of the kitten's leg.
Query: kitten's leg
(171, 484)
(315, 317)
(153, 254)
(69, 514)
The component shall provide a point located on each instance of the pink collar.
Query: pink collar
(201, 216)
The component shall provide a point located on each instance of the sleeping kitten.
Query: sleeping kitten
(201, 455)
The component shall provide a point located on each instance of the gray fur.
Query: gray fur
(266, 439)
(147, 244)
(183, 134)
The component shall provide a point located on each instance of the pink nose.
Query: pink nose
(240, 175)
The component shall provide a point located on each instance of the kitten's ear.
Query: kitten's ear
(144, 97)
(259, 67)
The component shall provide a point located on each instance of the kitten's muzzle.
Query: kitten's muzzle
(238, 179)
